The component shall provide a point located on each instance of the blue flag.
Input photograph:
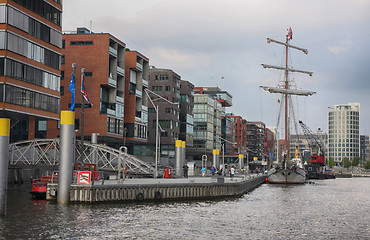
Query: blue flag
(72, 89)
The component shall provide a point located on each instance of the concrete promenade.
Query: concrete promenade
(150, 189)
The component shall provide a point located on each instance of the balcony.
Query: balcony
(139, 93)
(139, 66)
(119, 99)
(111, 112)
(120, 71)
(113, 51)
(145, 83)
(112, 82)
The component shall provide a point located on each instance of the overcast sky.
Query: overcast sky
(205, 40)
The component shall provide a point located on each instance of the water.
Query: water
(328, 209)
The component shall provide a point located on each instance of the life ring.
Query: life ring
(157, 195)
(140, 197)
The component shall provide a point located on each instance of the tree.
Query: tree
(367, 164)
(346, 163)
(331, 162)
(356, 161)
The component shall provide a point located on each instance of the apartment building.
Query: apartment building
(30, 50)
(136, 101)
(256, 132)
(165, 83)
(186, 112)
(344, 131)
(103, 57)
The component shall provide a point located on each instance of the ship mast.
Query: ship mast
(286, 91)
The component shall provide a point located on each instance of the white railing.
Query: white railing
(112, 82)
(113, 51)
(119, 99)
(120, 71)
(139, 66)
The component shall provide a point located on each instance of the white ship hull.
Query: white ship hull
(286, 176)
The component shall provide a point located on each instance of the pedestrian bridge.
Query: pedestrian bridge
(45, 153)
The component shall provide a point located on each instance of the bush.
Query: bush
(367, 164)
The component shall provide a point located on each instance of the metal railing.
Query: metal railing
(45, 153)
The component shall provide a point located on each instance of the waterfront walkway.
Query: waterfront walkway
(180, 180)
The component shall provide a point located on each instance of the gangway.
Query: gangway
(45, 153)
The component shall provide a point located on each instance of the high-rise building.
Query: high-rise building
(103, 57)
(30, 50)
(344, 131)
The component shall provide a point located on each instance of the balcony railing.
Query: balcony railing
(119, 99)
(145, 83)
(112, 82)
(139, 93)
(113, 51)
(111, 112)
(144, 108)
(120, 71)
(139, 66)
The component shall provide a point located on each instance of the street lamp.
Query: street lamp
(147, 91)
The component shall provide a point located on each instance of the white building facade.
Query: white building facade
(344, 131)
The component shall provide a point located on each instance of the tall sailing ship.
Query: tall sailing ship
(288, 171)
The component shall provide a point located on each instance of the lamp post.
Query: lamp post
(147, 91)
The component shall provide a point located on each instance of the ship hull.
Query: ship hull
(286, 176)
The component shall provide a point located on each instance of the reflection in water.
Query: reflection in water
(329, 209)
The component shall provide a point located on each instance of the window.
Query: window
(62, 59)
(63, 44)
(88, 74)
(82, 43)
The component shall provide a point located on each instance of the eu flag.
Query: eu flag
(72, 89)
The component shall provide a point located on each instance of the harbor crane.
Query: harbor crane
(315, 143)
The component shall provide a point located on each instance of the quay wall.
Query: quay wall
(158, 192)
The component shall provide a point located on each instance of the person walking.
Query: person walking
(203, 171)
(186, 169)
(213, 170)
(232, 173)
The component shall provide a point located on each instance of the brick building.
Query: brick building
(103, 57)
(30, 49)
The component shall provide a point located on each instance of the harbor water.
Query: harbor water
(325, 209)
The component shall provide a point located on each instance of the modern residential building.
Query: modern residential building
(207, 125)
(238, 138)
(166, 84)
(256, 132)
(364, 148)
(30, 50)
(186, 113)
(269, 145)
(344, 131)
(103, 57)
(136, 102)
(225, 99)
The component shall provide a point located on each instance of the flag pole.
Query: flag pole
(82, 116)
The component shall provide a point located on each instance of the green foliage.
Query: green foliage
(356, 161)
(331, 162)
(346, 163)
(367, 164)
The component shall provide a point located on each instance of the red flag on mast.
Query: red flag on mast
(290, 33)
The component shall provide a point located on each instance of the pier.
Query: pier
(138, 190)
